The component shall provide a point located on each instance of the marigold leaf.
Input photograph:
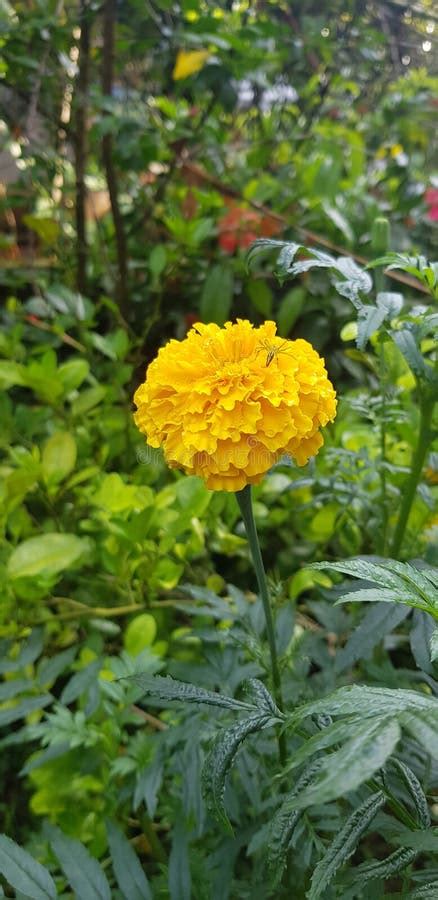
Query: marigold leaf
(167, 688)
(220, 759)
(385, 868)
(344, 844)
(24, 873)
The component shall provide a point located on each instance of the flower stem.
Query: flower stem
(424, 438)
(245, 504)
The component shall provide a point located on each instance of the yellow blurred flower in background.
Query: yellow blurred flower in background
(188, 62)
(227, 403)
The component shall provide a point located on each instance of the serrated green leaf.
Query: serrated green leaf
(130, 877)
(335, 733)
(423, 726)
(415, 790)
(82, 870)
(260, 248)
(344, 844)
(427, 891)
(21, 710)
(283, 825)
(369, 321)
(368, 702)
(260, 697)
(380, 595)
(406, 583)
(347, 768)
(407, 345)
(24, 873)
(220, 759)
(384, 868)
(377, 622)
(167, 688)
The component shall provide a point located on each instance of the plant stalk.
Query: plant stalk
(424, 437)
(244, 500)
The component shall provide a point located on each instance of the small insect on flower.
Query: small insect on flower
(218, 413)
(272, 350)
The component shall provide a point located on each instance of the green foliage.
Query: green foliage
(344, 844)
(313, 155)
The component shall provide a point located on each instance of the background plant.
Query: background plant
(129, 200)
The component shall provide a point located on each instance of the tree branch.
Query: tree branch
(109, 17)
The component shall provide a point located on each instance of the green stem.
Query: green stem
(245, 504)
(383, 490)
(424, 438)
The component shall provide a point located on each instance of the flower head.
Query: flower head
(227, 403)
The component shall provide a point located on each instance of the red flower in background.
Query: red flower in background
(240, 226)
(431, 201)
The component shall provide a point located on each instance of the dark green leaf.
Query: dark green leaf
(347, 768)
(180, 882)
(217, 295)
(385, 868)
(21, 710)
(80, 682)
(220, 759)
(82, 870)
(169, 689)
(283, 824)
(130, 876)
(415, 791)
(344, 844)
(378, 621)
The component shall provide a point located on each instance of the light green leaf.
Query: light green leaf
(58, 457)
(88, 399)
(24, 873)
(72, 374)
(11, 373)
(47, 554)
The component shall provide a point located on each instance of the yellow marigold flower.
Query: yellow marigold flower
(227, 403)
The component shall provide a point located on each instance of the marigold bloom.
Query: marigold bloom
(227, 403)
